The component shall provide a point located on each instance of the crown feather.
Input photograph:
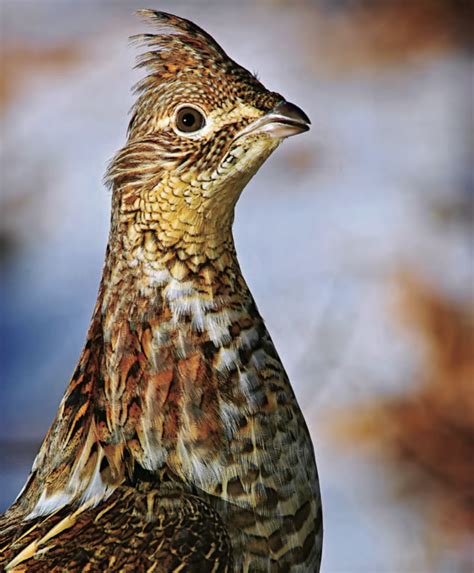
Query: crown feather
(169, 24)
(173, 37)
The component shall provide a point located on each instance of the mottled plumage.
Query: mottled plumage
(179, 444)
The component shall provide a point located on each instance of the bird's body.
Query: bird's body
(179, 444)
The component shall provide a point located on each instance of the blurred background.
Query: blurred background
(356, 239)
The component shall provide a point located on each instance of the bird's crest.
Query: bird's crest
(178, 46)
(182, 29)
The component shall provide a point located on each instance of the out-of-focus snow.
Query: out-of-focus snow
(319, 242)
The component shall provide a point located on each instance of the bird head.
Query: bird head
(201, 127)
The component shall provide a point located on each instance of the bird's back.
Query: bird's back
(141, 528)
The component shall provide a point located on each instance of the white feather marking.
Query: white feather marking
(178, 289)
(248, 380)
(77, 485)
(228, 359)
(157, 277)
(154, 454)
(201, 473)
(97, 490)
(217, 326)
(198, 310)
(184, 300)
(230, 416)
(48, 504)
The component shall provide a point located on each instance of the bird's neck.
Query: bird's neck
(165, 374)
(170, 271)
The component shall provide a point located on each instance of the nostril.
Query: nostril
(291, 111)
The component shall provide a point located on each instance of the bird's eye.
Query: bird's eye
(189, 120)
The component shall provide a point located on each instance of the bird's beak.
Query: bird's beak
(284, 120)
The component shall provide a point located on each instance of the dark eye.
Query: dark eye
(189, 120)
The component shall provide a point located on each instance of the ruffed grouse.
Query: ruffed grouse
(179, 444)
